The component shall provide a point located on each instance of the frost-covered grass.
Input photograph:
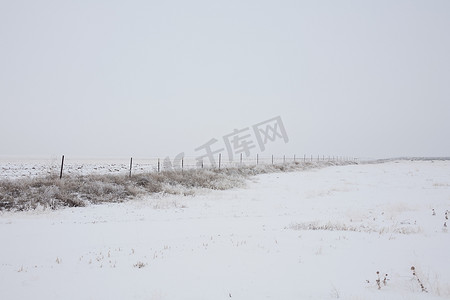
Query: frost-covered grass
(80, 190)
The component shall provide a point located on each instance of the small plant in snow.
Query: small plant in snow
(139, 265)
(335, 293)
(413, 269)
(444, 228)
(381, 280)
(385, 279)
(58, 260)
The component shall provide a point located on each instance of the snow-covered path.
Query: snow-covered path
(317, 234)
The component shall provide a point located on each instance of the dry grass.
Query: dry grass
(52, 192)
(337, 226)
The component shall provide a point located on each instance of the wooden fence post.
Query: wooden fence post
(220, 158)
(272, 159)
(241, 158)
(159, 166)
(284, 159)
(131, 165)
(257, 159)
(62, 166)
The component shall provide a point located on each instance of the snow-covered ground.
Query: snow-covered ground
(317, 234)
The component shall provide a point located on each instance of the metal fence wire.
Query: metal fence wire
(128, 166)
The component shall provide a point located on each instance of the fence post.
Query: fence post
(272, 159)
(257, 159)
(159, 168)
(131, 165)
(311, 158)
(202, 163)
(220, 158)
(294, 157)
(62, 165)
(304, 157)
(182, 164)
(241, 158)
(284, 159)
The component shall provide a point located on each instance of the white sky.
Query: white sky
(154, 78)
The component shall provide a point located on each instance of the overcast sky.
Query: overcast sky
(155, 78)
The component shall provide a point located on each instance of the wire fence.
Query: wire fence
(11, 169)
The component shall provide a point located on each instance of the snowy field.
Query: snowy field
(316, 234)
(11, 168)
